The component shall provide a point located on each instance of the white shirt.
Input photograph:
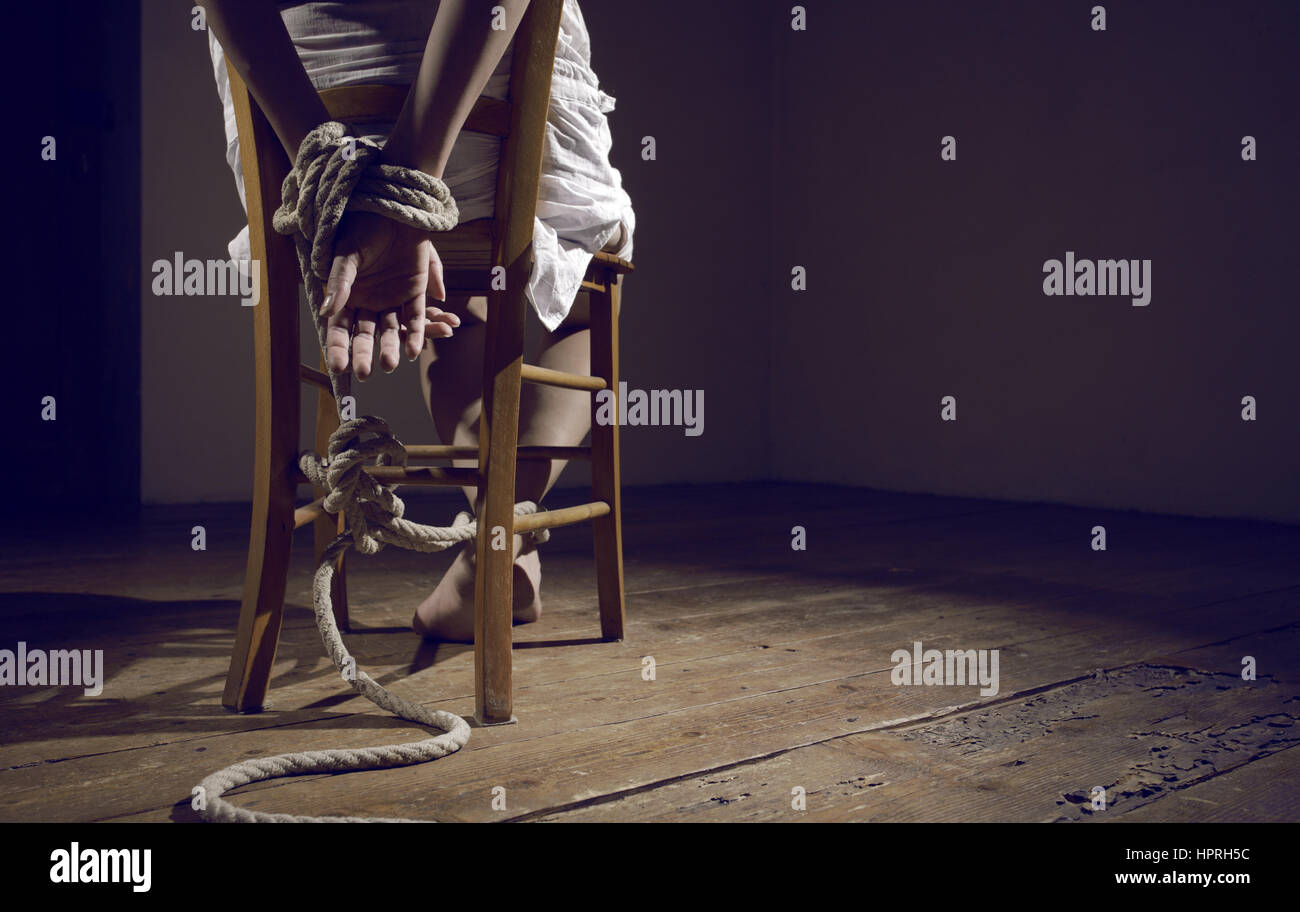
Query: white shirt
(581, 202)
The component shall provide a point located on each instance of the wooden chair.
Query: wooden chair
(469, 254)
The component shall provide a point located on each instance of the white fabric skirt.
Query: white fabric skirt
(581, 202)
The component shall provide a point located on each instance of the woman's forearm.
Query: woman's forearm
(258, 46)
(462, 51)
(459, 58)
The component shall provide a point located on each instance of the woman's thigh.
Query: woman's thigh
(473, 309)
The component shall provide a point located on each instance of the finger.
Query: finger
(436, 290)
(343, 272)
(363, 344)
(390, 344)
(338, 340)
(445, 316)
(440, 324)
(413, 316)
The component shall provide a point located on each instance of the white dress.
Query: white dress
(581, 202)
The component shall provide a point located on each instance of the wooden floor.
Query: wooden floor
(1119, 669)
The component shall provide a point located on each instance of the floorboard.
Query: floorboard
(772, 668)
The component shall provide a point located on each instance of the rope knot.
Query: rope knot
(375, 514)
(371, 508)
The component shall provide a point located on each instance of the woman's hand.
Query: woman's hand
(382, 268)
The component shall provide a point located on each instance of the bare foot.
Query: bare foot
(448, 613)
(528, 585)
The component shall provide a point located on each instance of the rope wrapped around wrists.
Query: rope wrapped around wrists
(336, 172)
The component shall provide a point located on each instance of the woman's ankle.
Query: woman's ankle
(523, 544)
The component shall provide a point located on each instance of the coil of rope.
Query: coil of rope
(336, 173)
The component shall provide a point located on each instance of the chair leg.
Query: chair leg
(275, 364)
(327, 528)
(262, 608)
(498, 440)
(605, 485)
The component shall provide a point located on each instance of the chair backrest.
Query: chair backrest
(471, 249)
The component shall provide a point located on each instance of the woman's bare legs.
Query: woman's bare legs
(451, 376)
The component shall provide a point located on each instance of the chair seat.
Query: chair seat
(466, 255)
(467, 248)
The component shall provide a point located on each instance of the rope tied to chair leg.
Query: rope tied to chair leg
(335, 173)
(374, 513)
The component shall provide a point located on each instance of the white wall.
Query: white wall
(924, 276)
(820, 149)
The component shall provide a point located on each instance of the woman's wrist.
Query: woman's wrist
(401, 149)
(464, 47)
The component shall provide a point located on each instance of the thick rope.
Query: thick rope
(333, 174)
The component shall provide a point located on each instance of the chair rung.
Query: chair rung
(315, 378)
(550, 519)
(434, 475)
(424, 475)
(308, 513)
(422, 451)
(566, 516)
(534, 374)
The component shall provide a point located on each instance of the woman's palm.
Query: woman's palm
(381, 274)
